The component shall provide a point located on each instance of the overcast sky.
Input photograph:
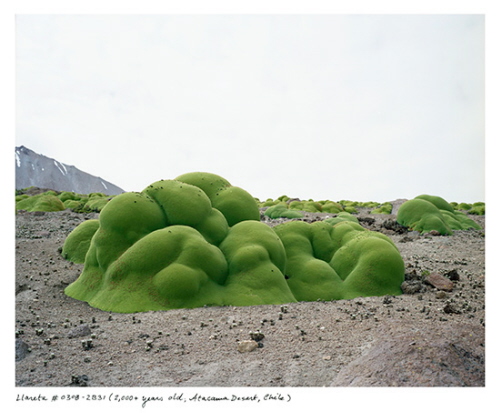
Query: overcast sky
(358, 107)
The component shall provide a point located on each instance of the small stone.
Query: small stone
(439, 281)
(449, 308)
(79, 381)
(256, 335)
(87, 344)
(441, 295)
(411, 287)
(246, 346)
(80, 331)
(453, 275)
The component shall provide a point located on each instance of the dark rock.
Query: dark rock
(387, 300)
(79, 381)
(366, 220)
(411, 287)
(22, 349)
(413, 276)
(395, 226)
(440, 282)
(453, 275)
(256, 335)
(449, 308)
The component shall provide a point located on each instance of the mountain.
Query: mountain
(37, 170)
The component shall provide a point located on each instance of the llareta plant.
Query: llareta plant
(426, 213)
(198, 241)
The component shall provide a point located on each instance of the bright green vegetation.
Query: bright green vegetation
(427, 213)
(286, 207)
(385, 208)
(197, 240)
(477, 208)
(77, 243)
(284, 202)
(47, 202)
(281, 210)
(341, 261)
(51, 201)
(342, 216)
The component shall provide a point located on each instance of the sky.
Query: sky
(362, 107)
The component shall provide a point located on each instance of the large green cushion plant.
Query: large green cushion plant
(196, 240)
(427, 213)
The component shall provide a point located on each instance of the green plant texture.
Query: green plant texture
(198, 241)
(277, 208)
(51, 201)
(341, 261)
(426, 213)
(385, 208)
(77, 242)
(47, 202)
(342, 216)
(281, 210)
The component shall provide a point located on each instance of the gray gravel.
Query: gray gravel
(430, 337)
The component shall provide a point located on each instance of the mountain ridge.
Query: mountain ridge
(33, 169)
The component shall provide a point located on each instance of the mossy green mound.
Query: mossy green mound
(427, 213)
(51, 201)
(306, 206)
(77, 243)
(341, 261)
(180, 244)
(331, 207)
(47, 202)
(477, 208)
(342, 216)
(385, 208)
(281, 210)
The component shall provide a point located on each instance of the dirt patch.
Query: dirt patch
(427, 337)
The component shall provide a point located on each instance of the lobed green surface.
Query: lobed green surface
(198, 241)
(426, 213)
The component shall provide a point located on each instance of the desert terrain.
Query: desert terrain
(430, 336)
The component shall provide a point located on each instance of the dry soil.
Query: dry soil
(425, 337)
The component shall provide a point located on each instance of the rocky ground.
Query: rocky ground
(429, 336)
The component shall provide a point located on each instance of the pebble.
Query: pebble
(439, 281)
(441, 295)
(246, 346)
(453, 275)
(449, 308)
(80, 331)
(411, 287)
(79, 381)
(256, 335)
